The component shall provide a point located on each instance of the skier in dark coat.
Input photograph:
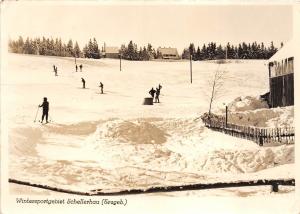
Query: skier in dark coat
(80, 66)
(76, 68)
(157, 95)
(55, 70)
(101, 86)
(152, 92)
(45, 106)
(83, 83)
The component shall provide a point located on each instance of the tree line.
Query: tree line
(54, 47)
(212, 51)
(45, 46)
(132, 52)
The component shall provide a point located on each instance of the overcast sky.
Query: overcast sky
(160, 25)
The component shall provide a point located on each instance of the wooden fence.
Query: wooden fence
(262, 136)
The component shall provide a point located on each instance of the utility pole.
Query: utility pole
(75, 60)
(191, 70)
(120, 61)
(226, 117)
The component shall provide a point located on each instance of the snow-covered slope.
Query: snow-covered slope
(111, 141)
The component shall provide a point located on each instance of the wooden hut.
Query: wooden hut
(281, 76)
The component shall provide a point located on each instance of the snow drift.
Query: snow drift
(138, 153)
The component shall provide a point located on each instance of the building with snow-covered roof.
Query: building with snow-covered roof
(281, 76)
(110, 52)
(168, 53)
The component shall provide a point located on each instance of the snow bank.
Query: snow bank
(246, 103)
(252, 111)
(137, 132)
(272, 118)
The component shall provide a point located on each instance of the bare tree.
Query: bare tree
(217, 84)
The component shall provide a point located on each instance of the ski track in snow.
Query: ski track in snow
(112, 142)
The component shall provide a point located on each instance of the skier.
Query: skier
(55, 70)
(83, 83)
(76, 68)
(152, 92)
(101, 86)
(45, 106)
(80, 66)
(157, 95)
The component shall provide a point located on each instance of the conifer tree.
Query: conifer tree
(85, 51)
(185, 54)
(130, 51)
(20, 45)
(192, 50)
(220, 53)
(198, 54)
(204, 55)
(77, 51)
(95, 50)
(70, 50)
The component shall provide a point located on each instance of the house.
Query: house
(110, 52)
(167, 53)
(281, 76)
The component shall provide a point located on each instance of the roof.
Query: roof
(112, 50)
(287, 51)
(168, 51)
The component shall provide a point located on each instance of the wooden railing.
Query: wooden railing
(262, 136)
(274, 183)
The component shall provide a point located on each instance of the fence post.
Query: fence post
(261, 143)
(274, 187)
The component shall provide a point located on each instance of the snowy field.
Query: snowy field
(112, 142)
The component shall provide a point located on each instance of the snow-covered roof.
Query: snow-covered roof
(287, 51)
(111, 50)
(168, 51)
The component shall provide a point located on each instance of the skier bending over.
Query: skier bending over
(83, 83)
(157, 95)
(101, 86)
(45, 106)
(152, 92)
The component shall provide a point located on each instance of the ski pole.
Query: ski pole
(36, 113)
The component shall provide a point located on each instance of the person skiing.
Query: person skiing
(101, 86)
(76, 68)
(157, 95)
(45, 106)
(83, 83)
(152, 92)
(80, 66)
(55, 70)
